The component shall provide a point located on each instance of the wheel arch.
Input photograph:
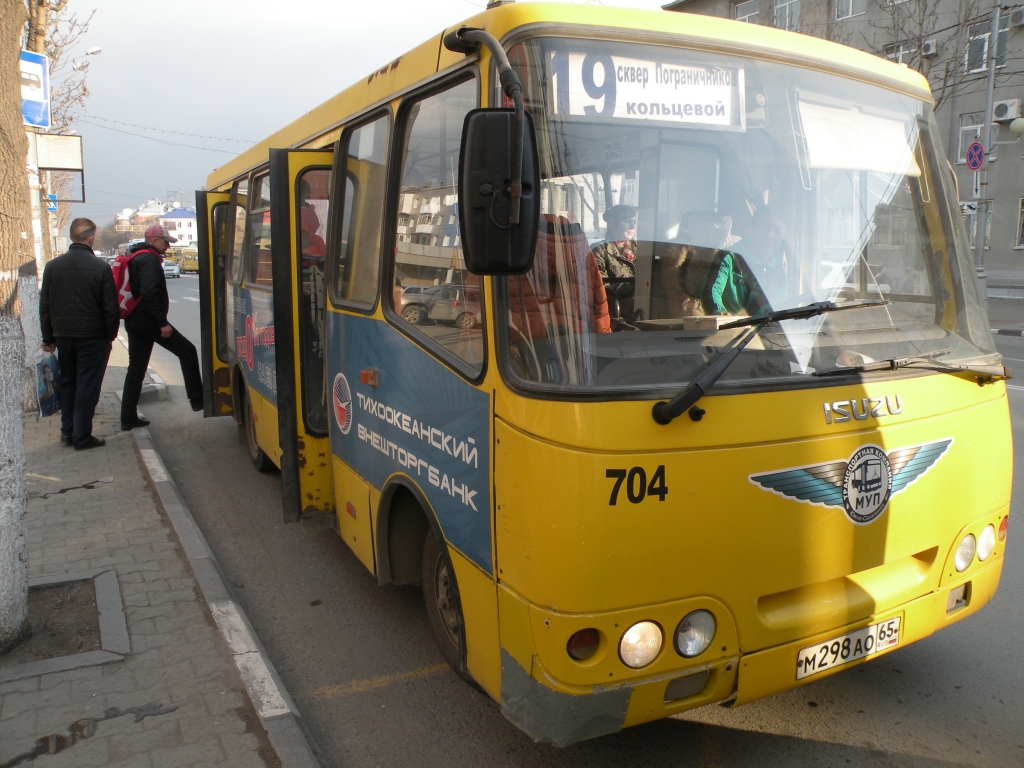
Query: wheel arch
(400, 497)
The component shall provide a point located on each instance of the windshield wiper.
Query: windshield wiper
(665, 411)
(986, 373)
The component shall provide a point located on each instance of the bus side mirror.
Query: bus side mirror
(491, 244)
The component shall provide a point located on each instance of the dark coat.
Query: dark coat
(78, 299)
(146, 273)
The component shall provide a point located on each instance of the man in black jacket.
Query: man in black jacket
(79, 318)
(148, 325)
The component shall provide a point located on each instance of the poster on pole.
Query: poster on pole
(35, 89)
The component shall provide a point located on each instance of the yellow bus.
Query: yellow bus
(705, 407)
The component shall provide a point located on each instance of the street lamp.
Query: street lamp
(80, 64)
(1017, 126)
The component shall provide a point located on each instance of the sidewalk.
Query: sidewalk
(177, 677)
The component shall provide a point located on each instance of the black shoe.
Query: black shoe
(92, 442)
(197, 405)
(136, 422)
(66, 440)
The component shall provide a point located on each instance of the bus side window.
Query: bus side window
(259, 234)
(233, 268)
(428, 246)
(357, 259)
(311, 215)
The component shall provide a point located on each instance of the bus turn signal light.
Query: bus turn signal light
(1004, 525)
(583, 644)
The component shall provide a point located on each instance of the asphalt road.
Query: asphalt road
(362, 667)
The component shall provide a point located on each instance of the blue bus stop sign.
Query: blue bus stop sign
(975, 156)
(35, 89)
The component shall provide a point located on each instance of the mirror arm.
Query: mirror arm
(468, 40)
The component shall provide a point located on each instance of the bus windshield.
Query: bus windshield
(682, 188)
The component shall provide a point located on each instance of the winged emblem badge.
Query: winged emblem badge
(861, 485)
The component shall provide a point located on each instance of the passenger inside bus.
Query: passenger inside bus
(754, 282)
(703, 239)
(313, 246)
(615, 259)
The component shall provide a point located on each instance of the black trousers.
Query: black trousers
(82, 365)
(141, 338)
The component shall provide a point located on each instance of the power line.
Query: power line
(164, 130)
(158, 141)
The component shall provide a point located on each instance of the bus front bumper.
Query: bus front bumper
(548, 712)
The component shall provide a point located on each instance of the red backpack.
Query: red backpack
(126, 303)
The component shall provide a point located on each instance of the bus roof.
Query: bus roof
(322, 125)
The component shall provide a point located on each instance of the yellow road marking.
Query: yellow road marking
(361, 686)
(42, 477)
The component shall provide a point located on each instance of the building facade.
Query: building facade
(181, 224)
(948, 42)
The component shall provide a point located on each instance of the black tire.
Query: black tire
(257, 456)
(440, 596)
(465, 320)
(413, 314)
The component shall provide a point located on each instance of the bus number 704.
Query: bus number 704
(636, 484)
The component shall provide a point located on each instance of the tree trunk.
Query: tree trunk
(13, 526)
(15, 251)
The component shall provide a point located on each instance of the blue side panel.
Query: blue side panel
(421, 419)
(250, 317)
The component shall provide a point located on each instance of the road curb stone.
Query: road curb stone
(274, 707)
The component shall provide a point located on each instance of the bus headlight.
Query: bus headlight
(695, 633)
(965, 553)
(986, 542)
(640, 644)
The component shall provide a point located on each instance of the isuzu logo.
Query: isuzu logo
(874, 407)
(860, 485)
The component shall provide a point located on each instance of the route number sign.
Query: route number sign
(975, 156)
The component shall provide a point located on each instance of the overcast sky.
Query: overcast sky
(230, 69)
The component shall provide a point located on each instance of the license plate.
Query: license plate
(853, 646)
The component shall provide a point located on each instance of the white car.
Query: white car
(171, 269)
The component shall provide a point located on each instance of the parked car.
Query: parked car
(458, 305)
(417, 301)
(171, 268)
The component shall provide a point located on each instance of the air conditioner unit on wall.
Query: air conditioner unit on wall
(930, 48)
(1005, 111)
(1017, 17)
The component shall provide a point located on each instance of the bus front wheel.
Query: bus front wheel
(257, 456)
(442, 603)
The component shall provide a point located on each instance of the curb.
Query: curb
(1007, 332)
(270, 699)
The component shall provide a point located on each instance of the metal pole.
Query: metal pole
(987, 143)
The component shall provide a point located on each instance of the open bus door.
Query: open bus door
(212, 234)
(300, 184)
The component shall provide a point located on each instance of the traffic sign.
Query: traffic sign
(35, 89)
(51, 203)
(975, 156)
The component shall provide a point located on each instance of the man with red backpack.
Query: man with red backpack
(142, 293)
